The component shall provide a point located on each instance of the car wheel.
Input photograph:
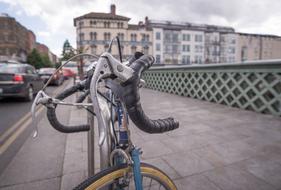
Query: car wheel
(29, 94)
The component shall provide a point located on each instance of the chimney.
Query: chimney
(146, 21)
(113, 9)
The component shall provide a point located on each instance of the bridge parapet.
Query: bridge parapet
(252, 86)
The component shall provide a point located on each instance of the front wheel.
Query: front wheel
(121, 177)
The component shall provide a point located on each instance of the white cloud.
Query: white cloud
(44, 33)
(259, 16)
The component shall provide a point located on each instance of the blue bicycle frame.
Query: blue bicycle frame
(123, 141)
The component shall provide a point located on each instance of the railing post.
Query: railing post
(91, 143)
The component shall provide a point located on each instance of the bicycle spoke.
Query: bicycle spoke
(150, 183)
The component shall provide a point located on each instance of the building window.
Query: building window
(120, 36)
(198, 38)
(93, 49)
(198, 49)
(133, 37)
(107, 24)
(120, 25)
(93, 35)
(231, 50)
(147, 38)
(186, 48)
(175, 49)
(244, 53)
(167, 37)
(93, 22)
(158, 47)
(81, 36)
(168, 49)
(143, 37)
(175, 38)
(106, 36)
(185, 59)
(158, 59)
(133, 49)
(198, 59)
(158, 36)
(145, 50)
(186, 37)
(81, 23)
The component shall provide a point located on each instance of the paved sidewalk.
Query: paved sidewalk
(215, 148)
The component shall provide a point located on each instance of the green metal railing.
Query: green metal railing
(253, 85)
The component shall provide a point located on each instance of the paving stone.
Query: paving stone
(196, 182)
(75, 162)
(74, 145)
(231, 178)
(184, 143)
(223, 154)
(152, 149)
(264, 168)
(187, 164)
(72, 180)
(46, 184)
(162, 165)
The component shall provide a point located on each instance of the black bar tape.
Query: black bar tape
(52, 117)
(82, 97)
(129, 93)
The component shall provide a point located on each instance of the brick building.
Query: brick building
(13, 39)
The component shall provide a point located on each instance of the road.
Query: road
(15, 125)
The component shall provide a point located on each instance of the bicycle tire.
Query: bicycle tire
(108, 176)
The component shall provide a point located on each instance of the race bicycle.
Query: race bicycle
(113, 88)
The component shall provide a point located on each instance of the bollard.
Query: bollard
(91, 143)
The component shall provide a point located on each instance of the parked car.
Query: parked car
(67, 73)
(46, 73)
(19, 80)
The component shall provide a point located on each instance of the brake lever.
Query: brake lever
(142, 83)
(40, 98)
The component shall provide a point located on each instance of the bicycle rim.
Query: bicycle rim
(114, 178)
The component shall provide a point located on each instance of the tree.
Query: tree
(46, 61)
(38, 60)
(67, 51)
(35, 59)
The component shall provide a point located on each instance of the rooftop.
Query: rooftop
(95, 15)
(175, 25)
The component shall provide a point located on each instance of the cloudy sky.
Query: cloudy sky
(52, 20)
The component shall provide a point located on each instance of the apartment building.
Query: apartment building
(173, 42)
(212, 47)
(13, 39)
(188, 43)
(96, 30)
(229, 47)
(16, 41)
(258, 47)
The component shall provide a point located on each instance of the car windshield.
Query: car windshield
(47, 70)
(10, 68)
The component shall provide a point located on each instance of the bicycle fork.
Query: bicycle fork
(137, 169)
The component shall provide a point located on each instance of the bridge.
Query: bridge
(229, 135)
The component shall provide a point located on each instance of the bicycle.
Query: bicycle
(120, 159)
